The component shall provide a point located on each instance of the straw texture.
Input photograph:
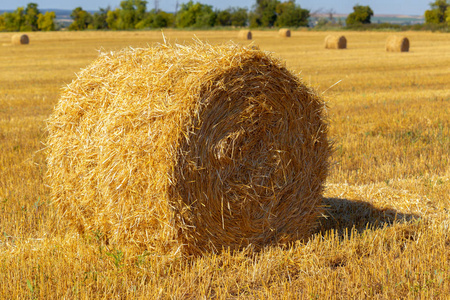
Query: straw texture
(197, 148)
(245, 35)
(335, 42)
(284, 32)
(395, 43)
(20, 39)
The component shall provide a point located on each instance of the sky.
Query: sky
(404, 7)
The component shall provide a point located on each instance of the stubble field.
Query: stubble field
(386, 231)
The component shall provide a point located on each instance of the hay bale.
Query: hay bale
(245, 35)
(284, 32)
(395, 43)
(20, 39)
(200, 147)
(335, 42)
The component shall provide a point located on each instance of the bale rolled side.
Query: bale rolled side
(193, 147)
(20, 39)
(395, 43)
(245, 35)
(284, 32)
(335, 42)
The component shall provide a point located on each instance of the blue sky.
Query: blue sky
(410, 7)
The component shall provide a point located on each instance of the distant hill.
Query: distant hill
(384, 18)
(398, 19)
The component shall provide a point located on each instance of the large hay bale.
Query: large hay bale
(20, 39)
(284, 32)
(395, 43)
(335, 42)
(199, 147)
(245, 35)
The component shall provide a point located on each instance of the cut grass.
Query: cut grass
(385, 233)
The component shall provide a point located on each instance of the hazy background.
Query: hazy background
(407, 7)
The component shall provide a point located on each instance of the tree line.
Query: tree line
(439, 13)
(28, 19)
(133, 14)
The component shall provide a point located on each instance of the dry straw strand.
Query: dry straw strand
(195, 147)
(245, 35)
(284, 32)
(395, 43)
(335, 42)
(20, 39)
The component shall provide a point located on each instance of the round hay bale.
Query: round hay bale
(194, 147)
(335, 42)
(20, 39)
(395, 43)
(245, 35)
(284, 32)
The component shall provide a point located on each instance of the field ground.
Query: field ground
(385, 234)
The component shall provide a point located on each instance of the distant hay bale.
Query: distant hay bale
(395, 43)
(245, 35)
(197, 148)
(335, 42)
(20, 39)
(284, 32)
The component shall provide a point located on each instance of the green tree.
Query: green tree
(8, 21)
(15, 20)
(131, 12)
(164, 19)
(155, 19)
(223, 17)
(239, 16)
(447, 16)
(2, 23)
(99, 19)
(81, 19)
(195, 15)
(360, 15)
(432, 17)
(264, 14)
(291, 15)
(112, 18)
(22, 19)
(31, 17)
(46, 22)
(438, 12)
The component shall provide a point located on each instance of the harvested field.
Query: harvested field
(384, 232)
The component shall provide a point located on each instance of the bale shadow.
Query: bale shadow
(342, 215)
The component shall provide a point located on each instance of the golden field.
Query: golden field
(386, 233)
